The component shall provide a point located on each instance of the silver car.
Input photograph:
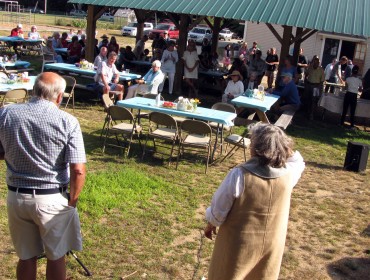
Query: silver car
(198, 34)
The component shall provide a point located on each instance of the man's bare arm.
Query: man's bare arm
(77, 181)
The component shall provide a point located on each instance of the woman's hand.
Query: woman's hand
(209, 229)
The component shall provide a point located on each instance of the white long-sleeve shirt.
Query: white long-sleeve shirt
(168, 65)
(233, 186)
(235, 89)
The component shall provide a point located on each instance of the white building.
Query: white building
(326, 45)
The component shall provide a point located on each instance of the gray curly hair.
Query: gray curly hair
(270, 145)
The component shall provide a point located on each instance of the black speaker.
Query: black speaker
(356, 157)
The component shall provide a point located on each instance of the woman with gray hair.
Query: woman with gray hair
(251, 207)
(149, 83)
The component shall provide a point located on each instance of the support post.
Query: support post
(216, 31)
(297, 45)
(286, 42)
(92, 11)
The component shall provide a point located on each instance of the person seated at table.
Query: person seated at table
(287, 68)
(34, 35)
(63, 41)
(71, 34)
(48, 49)
(17, 31)
(234, 87)
(149, 83)
(290, 100)
(74, 50)
(252, 82)
(113, 46)
(79, 34)
(107, 77)
(125, 58)
(258, 65)
(146, 56)
(239, 65)
(101, 57)
(56, 40)
(104, 42)
(353, 87)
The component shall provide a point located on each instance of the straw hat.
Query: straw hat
(236, 73)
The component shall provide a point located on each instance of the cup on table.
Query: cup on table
(123, 72)
(25, 74)
(128, 71)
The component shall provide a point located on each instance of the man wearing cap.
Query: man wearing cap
(149, 83)
(290, 100)
(234, 87)
(16, 32)
(44, 153)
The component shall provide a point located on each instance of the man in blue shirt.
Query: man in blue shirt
(290, 100)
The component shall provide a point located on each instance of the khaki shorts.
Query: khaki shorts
(43, 223)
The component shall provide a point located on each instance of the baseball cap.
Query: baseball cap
(19, 25)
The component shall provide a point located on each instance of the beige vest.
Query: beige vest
(250, 243)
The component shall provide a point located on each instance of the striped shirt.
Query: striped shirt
(39, 141)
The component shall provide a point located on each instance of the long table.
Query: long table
(16, 64)
(4, 87)
(334, 104)
(88, 72)
(261, 106)
(201, 113)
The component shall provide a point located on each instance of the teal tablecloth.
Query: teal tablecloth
(201, 113)
(74, 69)
(17, 64)
(19, 39)
(250, 102)
(4, 87)
(61, 50)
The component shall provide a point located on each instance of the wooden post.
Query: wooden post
(297, 45)
(183, 36)
(216, 28)
(90, 32)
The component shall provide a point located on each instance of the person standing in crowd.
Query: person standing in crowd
(348, 70)
(353, 87)
(34, 35)
(149, 83)
(191, 63)
(336, 73)
(101, 57)
(228, 54)
(48, 49)
(272, 60)
(140, 47)
(287, 68)
(169, 60)
(251, 209)
(107, 77)
(44, 152)
(243, 50)
(252, 81)
(74, 50)
(302, 64)
(258, 65)
(289, 100)
(252, 51)
(126, 58)
(206, 47)
(104, 42)
(113, 46)
(234, 87)
(327, 72)
(314, 82)
(79, 34)
(71, 34)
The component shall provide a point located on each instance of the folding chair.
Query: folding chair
(195, 135)
(14, 96)
(221, 106)
(162, 127)
(144, 115)
(70, 85)
(47, 58)
(123, 123)
(107, 102)
(237, 141)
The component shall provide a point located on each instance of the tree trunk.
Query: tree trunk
(287, 34)
(216, 30)
(141, 17)
(183, 35)
(297, 46)
(92, 11)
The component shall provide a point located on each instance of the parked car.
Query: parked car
(225, 34)
(199, 33)
(173, 32)
(107, 17)
(131, 28)
(77, 13)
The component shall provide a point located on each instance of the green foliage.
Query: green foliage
(79, 23)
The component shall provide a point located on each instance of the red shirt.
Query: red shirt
(64, 43)
(15, 32)
(74, 49)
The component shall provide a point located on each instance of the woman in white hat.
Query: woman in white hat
(234, 87)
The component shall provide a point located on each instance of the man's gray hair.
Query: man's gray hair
(48, 86)
(270, 145)
(111, 54)
(156, 63)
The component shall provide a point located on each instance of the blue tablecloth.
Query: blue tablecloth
(4, 87)
(250, 102)
(17, 64)
(61, 50)
(19, 39)
(141, 63)
(212, 73)
(201, 113)
(87, 72)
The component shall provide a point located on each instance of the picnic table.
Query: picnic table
(260, 106)
(16, 64)
(61, 50)
(4, 86)
(222, 118)
(33, 44)
(71, 68)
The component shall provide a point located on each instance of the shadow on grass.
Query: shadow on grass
(349, 269)
(324, 166)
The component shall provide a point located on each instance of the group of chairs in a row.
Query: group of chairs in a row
(20, 95)
(166, 132)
